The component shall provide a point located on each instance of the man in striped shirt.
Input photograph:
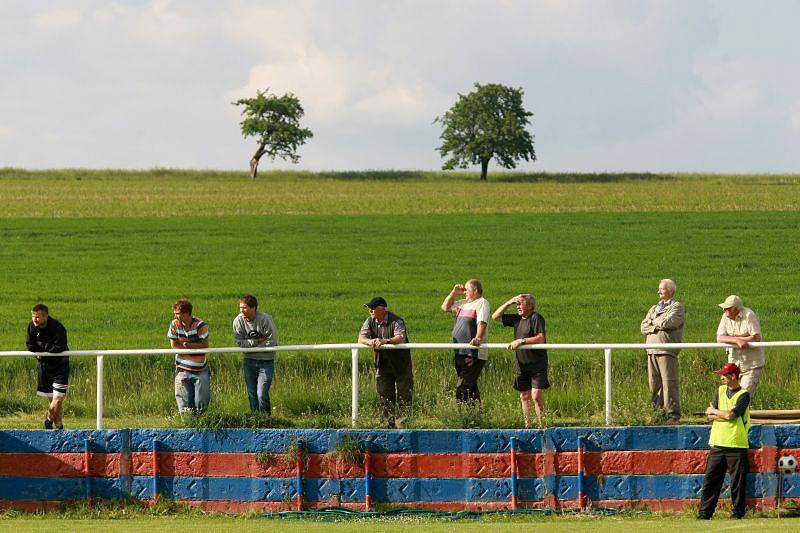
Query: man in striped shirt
(472, 318)
(192, 378)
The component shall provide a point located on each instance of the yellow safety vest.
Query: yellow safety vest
(730, 433)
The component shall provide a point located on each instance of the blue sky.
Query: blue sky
(614, 85)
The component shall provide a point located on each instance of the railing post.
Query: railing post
(608, 386)
(581, 472)
(354, 377)
(514, 474)
(99, 392)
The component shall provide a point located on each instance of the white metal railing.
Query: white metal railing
(355, 348)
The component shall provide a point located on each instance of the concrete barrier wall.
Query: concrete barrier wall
(245, 470)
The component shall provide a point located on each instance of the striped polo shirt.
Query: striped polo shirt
(468, 314)
(195, 332)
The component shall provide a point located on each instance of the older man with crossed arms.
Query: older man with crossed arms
(664, 324)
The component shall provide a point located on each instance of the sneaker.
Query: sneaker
(60, 426)
(48, 424)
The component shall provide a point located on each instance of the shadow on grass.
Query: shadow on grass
(582, 177)
(500, 177)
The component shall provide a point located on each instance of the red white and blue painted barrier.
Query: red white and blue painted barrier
(246, 470)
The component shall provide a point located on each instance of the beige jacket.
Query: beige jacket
(665, 325)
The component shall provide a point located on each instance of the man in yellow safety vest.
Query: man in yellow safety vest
(730, 416)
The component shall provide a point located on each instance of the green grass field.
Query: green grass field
(117, 516)
(109, 252)
(667, 522)
(157, 193)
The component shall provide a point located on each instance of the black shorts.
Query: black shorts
(53, 378)
(531, 376)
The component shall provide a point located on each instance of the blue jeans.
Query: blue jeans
(192, 390)
(258, 378)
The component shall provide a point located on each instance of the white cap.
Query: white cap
(732, 301)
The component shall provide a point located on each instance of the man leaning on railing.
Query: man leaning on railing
(46, 334)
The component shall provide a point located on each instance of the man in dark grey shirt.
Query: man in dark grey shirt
(531, 372)
(253, 328)
(394, 379)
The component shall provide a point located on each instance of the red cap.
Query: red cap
(729, 368)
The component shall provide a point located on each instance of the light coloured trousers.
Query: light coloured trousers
(192, 390)
(750, 380)
(662, 373)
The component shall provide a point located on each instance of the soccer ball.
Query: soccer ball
(787, 464)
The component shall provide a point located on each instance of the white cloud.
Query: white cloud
(395, 103)
(730, 90)
(331, 87)
(613, 84)
(320, 81)
(60, 18)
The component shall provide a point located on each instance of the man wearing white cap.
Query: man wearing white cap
(739, 326)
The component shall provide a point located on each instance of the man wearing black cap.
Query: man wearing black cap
(730, 416)
(394, 379)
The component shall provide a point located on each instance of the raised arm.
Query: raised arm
(498, 313)
(448, 301)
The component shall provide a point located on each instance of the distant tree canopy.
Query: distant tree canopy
(275, 123)
(488, 122)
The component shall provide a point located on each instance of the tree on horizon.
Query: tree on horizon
(490, 122)
(275, 123)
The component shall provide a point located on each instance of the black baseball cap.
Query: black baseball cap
(376, 302)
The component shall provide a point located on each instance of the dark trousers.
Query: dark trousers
(394, 381)
(468, 370)
(719, 461)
